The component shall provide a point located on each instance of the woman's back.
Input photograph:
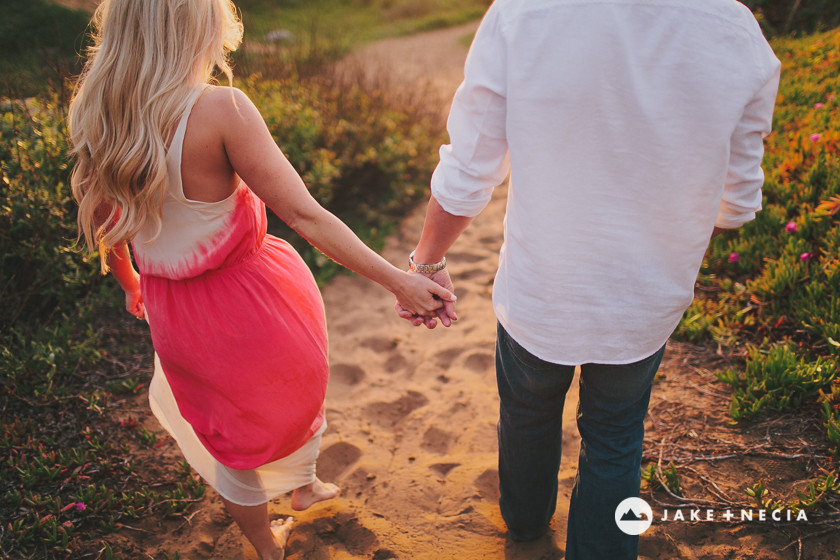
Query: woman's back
(206, 172)
(210, 220)
(236, 318)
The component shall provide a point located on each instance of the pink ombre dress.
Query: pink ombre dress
(240, 339)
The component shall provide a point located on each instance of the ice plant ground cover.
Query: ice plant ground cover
(769, 293)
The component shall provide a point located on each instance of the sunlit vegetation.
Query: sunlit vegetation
(39, 42)
(69, 361)
(795, 16)
(355, 21)
(770, 292)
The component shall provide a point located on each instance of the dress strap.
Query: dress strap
(176, 147)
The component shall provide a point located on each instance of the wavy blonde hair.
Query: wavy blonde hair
(147, 58)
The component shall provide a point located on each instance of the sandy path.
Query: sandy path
(431, 62)
(412, 417)
(412, 414)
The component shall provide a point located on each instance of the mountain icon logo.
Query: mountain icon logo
(633, 516)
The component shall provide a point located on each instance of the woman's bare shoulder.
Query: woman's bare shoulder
(230, 113)
(224, 101)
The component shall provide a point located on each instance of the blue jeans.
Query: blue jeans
(610, 417)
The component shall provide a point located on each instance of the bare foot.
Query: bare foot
(313, 493)
(281, 530)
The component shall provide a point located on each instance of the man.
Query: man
(633, 130)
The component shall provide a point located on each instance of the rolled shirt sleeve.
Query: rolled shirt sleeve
(745, 177)
(476, 160)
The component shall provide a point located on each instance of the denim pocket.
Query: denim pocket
(521, 354)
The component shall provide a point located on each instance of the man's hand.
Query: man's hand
(440, 230)
(445, 314)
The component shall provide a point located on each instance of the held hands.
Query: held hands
(444, 308)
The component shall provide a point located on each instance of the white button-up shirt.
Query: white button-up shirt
(631, 128)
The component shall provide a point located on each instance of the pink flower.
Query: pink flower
(733, 257)
(819, 105)
(816, 136)
(805, 257)
(831, 97)
(791, 227)
(80, 506)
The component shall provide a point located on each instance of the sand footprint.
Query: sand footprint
(343, 377)
(331, 537)
(380, 344)
(481, 273)
(396, 362)
(363, 481)
(445, 358)
(468, 258)
(442, 469)
(345, 528)
(480, 362)
(336, 459)
(487, 485)
(388, 414)
(436, 440)
(347, 374)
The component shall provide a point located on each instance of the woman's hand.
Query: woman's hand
(134, 303)
(118, 260)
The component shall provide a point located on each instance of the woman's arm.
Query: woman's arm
(259, 162)
(119, 262)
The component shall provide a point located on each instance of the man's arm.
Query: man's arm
(440, 230)
(475, 161)
(745, 177)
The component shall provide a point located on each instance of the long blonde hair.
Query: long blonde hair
(147, 57)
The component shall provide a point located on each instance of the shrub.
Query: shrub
(785, 285)
(43, 274)
(830, 402)
(358, 21)
(38, 45)
(363, 158)
(786, 16)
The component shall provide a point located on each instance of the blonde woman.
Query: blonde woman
(183, 170)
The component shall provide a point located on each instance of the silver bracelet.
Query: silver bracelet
(425, 268)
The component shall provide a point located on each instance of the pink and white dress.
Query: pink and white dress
(240, 340)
